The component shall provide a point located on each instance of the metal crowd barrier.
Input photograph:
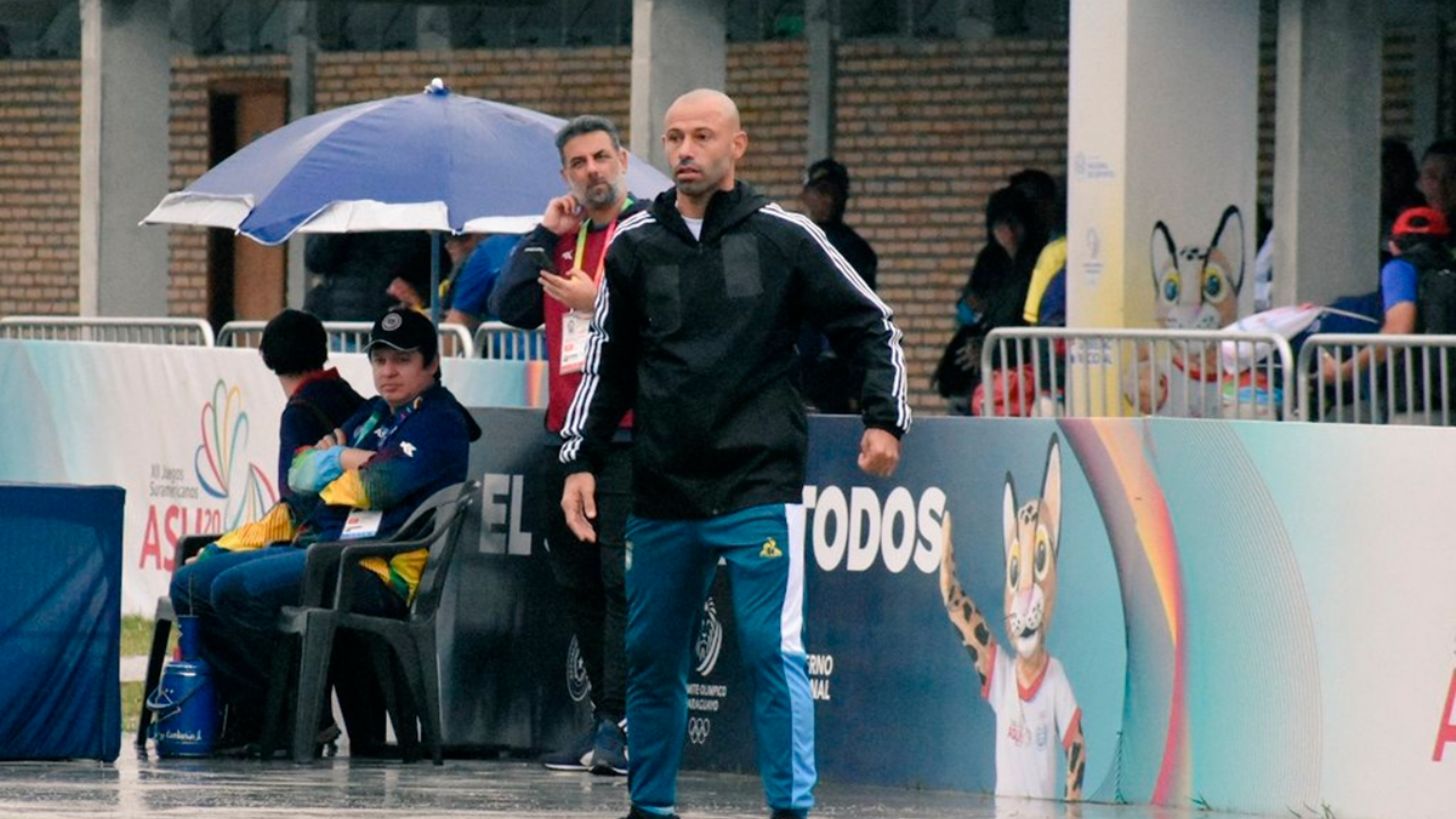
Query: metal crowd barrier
(1062, 372)
(346, 337)
(178, 331)
(1395, 379)
(502, 342)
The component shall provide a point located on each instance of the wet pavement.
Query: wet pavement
(224, 789)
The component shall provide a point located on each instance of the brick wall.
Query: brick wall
(559, 82)
(40, 185)
(769, 81)
(928, 131)
(192, 79)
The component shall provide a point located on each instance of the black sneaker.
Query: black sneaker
(575, 757)
(609, 750)
(789, 813)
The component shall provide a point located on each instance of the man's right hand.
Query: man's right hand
(563, 215)
(579, 502)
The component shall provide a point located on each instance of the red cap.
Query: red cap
(1421, 221)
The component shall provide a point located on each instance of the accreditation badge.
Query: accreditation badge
(575, 330)
(362, 523)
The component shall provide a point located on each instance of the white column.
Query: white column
(821, 31)
(302, 57)
(1425, 75)
(677, 45)
(126, 48)
(1327, 150)
(1162, 128)
(432, 29)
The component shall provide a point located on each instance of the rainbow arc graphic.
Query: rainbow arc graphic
(223, 429)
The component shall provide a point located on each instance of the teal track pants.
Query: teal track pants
(670, 566)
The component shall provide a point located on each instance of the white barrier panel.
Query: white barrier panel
(190, 433)
(195, 332)
(346, 336)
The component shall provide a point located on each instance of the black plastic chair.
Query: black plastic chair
(312, 626)
(162, 631)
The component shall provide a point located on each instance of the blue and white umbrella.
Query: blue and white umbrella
(432, 161)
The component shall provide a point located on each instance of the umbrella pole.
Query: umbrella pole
(435, 277)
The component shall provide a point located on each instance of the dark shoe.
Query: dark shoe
(575, 757)
(638, 813)
(609, 750)
(789, 813)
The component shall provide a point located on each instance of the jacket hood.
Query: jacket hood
(440, 392)
(725, 209)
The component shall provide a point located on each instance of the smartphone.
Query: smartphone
(540, 257)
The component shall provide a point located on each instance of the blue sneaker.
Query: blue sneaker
(575, 757)
(609, 750)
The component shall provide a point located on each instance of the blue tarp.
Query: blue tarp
(60, 621)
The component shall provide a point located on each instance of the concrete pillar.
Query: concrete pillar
(677, 45)
(1327, 150)
(432, 29)
(821, 31)
(977, 20)
(1162, 130)
(1426, 78)
(302, 56)
(125, 79)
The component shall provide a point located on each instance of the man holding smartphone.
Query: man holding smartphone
(552, 279)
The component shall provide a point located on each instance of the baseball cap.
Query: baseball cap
(828, 172)
(404, 329)
(1421, 221)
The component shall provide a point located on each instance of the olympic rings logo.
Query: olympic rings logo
(698, 729)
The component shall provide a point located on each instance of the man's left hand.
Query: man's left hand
(879, 452)
(576, 289)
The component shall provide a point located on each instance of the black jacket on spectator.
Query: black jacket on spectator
(357, 269)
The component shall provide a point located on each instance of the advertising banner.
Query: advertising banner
(191, 433)
(1238, 615)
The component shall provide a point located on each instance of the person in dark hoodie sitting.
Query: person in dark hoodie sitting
(396, 450)
(295, 347)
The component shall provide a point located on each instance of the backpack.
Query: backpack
(1435, 288)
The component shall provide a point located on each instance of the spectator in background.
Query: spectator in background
(358, 270)
(476, 260)
(1438, 177)
(572, 240)
(1412, 303)
(1398, 191)
(466, 295)
(994, 294)
(394, 452)
(295, 348)
(1046, 294)
(830, 383)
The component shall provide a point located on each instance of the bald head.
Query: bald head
(706, 102)
(704, 140)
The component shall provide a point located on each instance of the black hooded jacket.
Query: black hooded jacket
(697, 337)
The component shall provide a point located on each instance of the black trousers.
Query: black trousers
(591, 575)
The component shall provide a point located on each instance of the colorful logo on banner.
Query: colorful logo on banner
(218, 464)
(179, 507)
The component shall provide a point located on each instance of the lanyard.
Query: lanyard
(579, 257)
(372, 423)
